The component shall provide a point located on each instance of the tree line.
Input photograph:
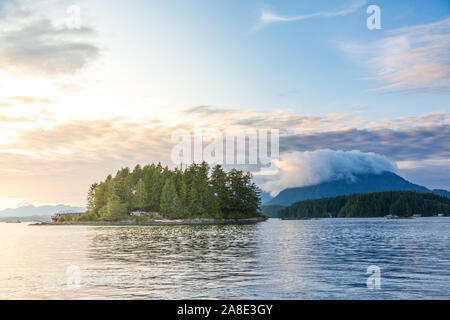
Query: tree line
(271, 210)
(378, 204)
(194, 192)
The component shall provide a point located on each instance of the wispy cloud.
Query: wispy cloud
(410, 59)
(268, 17)
(205, 110)
(30, 100)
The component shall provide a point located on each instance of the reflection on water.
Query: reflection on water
(180, 261)
(313, 259)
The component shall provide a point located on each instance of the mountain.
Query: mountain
(362, 183)
(265, 197)
(30, 210)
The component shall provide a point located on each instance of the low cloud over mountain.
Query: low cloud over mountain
(299, 169)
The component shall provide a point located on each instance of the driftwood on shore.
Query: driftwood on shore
(201, 221)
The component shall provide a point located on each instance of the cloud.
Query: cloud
(410, 59)
(407, 138)
(57, 164)
(205, 110)
(32, 43)
(406, 144)
(16, 119)
(431, 173)
(268, 17)
(30, 100)
(38, 160)
(299, 169)
(279, 119)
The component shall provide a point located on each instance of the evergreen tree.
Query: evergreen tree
(176, 208)
(244, 198)
(122, 187)
(141, 196)
(101, 195)
(183, 194)
(114, 210)
(219, 183)
(193, 209)
(91, 196)
(136, 174)
(167, 196)
(157, 184)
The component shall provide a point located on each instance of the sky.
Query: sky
(88, 87)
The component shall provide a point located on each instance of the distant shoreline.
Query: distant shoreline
(200, 221)
(362, 217)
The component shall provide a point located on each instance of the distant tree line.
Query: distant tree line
(378, 204)
(271, 210)
(194, 192)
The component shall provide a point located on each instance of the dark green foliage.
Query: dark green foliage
(378, 204)
(271, 211)
(114, 210)
(168, 196)
(100, 197)
(88, 216)
(244, 195)
(66, 218)
(194, 208)
(141, 197)
(91, 196)
(219, 183)
(177, 194)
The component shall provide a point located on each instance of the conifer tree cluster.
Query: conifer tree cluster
(195, 192)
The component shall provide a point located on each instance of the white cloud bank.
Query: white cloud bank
(300, 169)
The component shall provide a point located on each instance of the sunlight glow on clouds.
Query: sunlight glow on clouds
(83, 151)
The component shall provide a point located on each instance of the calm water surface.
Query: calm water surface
(313, 259)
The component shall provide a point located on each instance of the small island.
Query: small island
(402, 204)
(154, 195)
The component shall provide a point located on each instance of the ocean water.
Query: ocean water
(307, 259)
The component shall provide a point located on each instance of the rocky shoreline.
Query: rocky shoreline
(200, 221)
